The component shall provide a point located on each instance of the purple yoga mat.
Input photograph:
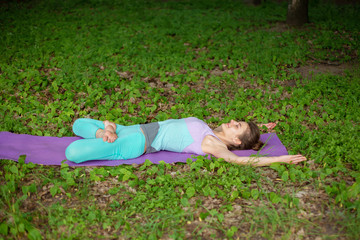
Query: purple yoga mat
(51, 151)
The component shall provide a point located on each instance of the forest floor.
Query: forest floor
(145, 61)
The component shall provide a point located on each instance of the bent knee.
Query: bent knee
(76, 124)
(72, 154)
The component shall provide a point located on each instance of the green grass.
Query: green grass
(142, 61)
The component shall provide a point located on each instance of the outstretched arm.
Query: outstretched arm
(258, 161)
(212, 146)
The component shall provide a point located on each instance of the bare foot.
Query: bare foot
(109, 132)
(109, 137)
(100, 133)
(110, 126)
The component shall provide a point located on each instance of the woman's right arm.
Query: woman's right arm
(259, 161)
(217, 149)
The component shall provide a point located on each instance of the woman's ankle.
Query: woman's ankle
(109, 126)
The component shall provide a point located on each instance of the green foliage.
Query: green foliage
(143, 61)
(348, 196)
(17, 222)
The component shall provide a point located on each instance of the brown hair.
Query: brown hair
(250, 139)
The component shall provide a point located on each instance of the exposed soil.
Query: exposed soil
(308, 71)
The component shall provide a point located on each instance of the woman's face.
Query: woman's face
(233, 129)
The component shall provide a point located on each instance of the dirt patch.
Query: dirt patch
(279, 27)
(311, 70)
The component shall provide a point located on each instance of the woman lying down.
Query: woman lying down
(104, 140)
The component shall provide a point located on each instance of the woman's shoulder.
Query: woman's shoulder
(193, 119)
(211, 141)
(211, 144)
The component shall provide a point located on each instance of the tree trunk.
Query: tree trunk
(297, 13)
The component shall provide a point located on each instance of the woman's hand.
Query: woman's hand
(269, 126)
(292, 159)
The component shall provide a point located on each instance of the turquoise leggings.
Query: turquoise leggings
(129, 144)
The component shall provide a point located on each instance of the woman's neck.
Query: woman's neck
(220, 135)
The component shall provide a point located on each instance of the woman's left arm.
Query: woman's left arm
(269, 126)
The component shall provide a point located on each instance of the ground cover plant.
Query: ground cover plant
(142, 61)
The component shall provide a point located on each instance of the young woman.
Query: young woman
(109, 141)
